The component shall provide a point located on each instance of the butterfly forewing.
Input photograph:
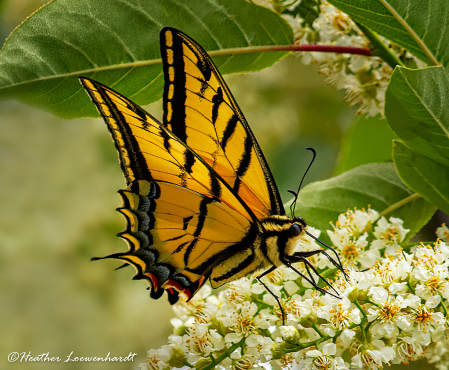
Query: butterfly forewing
(148, 150)
(200, 110)
(183, 220)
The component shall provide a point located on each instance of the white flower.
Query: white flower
(387, 313)
(200, 342)
(241, 290)
(425, 320)
(340, 315)
(276, 277)
(373, 359)
(259, 346)
(157, 359)
(431, 281)
(298, 311)
(354, 250)
(428, 256)
(246, 362)
(356, 222)
(346, 338)
(289, 333)
(324, 359)
(244, 320)
(407, 349)
(390, 271)
(364, 79)
(391, 232)
(443, 233)
(345, 284)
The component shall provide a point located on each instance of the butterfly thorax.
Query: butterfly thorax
(281, 234)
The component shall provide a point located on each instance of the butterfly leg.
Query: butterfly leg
(302, 257)
(271, 269)
(299, 256)
(315, 285)
(337, 265)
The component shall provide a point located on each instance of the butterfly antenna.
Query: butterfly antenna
(293, 205)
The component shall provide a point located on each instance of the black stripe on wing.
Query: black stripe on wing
(175, 49)
(132, 162)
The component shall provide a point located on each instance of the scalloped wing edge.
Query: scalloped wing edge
(138, 204)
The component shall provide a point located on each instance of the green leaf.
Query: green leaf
(118, 44)
(423, 175)
(417, 110)
(418, 26)
(368, 141)
(376, 185)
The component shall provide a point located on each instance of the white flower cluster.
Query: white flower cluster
(351, 237)
(389, 313)
(364, 79)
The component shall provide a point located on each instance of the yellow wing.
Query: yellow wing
(183, 219)
(201, 111)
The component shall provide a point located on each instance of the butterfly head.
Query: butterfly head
(296, 230)
(282, 233)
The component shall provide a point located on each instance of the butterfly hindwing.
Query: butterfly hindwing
(176, 246)
(200, 110)
(183, 219)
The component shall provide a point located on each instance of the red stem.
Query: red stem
(323, 48)
(294, 47)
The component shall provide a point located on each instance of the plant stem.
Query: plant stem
(230, 51)
(380, 49)
(371, 302)
(399, 204)
(444, 308)
(293, 47)
(410, 287)
(224, 355)
(318, 330)
(361, 310)
(368, 326)
(317, 341)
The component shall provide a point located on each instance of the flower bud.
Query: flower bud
(290, 334)
(354, 295)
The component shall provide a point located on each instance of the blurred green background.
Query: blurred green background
(58, 183)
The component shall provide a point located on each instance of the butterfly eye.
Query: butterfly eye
(295, 230)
